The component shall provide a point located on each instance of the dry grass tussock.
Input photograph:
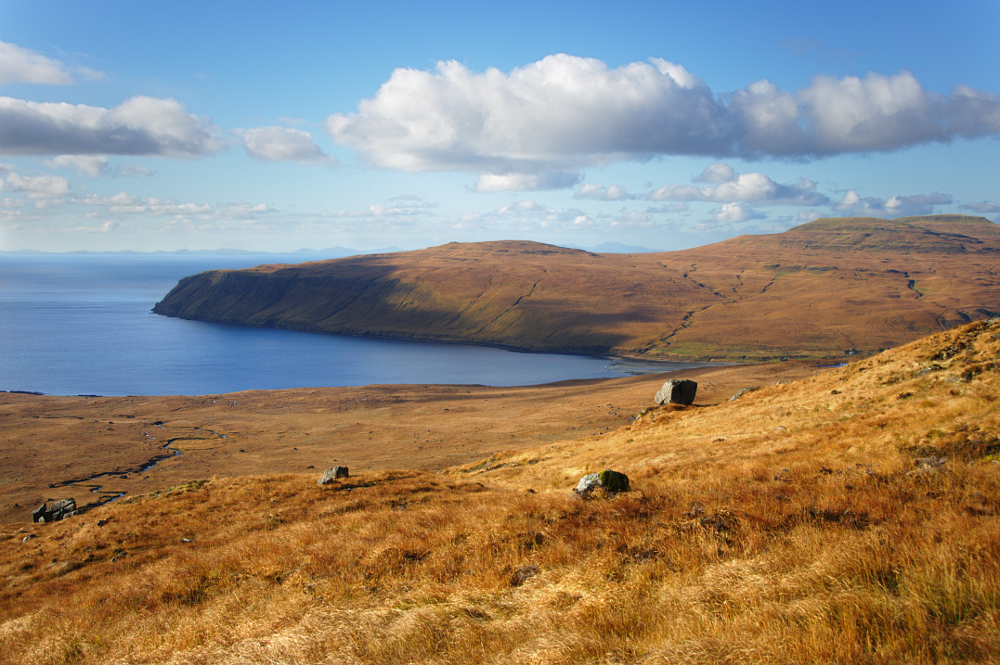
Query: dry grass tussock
(850, 517)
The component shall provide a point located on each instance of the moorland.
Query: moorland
(850, 516)
(856, 285)
(843, 510)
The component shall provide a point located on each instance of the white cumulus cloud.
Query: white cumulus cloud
(281, 144)
(564, 113)
(748, 187)
(856, 205)
(138, 126)
(735, 212)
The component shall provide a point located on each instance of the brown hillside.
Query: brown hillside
(850, 517)
(817, 290)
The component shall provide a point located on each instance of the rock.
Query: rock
(677, 391)
(740, 393)
(929, 462)
(27, 538)
(63, 506)
(58, 510)
(332, 474)
(523, 574)
(610, 481)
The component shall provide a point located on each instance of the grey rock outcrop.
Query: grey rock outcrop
(57, 511)
(333, 474)
(610, 481)
(677, 391)
(740, 393)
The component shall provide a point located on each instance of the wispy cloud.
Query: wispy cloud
(598, 192)
(983, 207)
(520, 182)
(21, 65)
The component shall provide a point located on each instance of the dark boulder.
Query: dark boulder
(677, 391)
(57, 511)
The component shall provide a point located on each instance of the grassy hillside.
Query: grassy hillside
(848, 517)
(820, 289)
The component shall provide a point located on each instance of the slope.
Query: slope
(820, 289)
(850, 517)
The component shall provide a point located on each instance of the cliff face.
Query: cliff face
(819, 289)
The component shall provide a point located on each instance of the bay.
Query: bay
(82, 325)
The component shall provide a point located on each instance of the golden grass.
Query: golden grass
(796, 524)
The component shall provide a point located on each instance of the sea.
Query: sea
(81, 324)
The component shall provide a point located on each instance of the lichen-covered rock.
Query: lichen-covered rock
(610, 481)
(332, 474)
(677, 391)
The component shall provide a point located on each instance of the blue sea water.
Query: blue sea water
(82, 325)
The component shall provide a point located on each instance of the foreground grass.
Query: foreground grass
(850, 518)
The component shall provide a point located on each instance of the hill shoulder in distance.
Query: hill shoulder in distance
(826, 288)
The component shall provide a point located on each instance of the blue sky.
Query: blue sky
(276, 126)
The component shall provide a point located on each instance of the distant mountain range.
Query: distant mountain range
(329, 252)
(831, 287)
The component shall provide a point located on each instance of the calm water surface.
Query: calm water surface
(81, 324)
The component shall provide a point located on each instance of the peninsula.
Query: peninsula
(827, 288)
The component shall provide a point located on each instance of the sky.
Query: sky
(274, 126)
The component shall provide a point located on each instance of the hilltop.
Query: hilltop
(830, 287)
(851, 516)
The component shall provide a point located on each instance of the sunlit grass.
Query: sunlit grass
(793, 525)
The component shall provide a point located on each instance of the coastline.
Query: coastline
(651, 366)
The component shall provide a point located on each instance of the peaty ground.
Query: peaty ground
(95, 449)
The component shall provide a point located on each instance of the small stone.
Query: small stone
(929, 462)
(740, 393)
(523, 574)
(27, 538)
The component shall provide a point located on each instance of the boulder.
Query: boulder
(58, 510)
(677, 391)
(332, 474)
(610, 481)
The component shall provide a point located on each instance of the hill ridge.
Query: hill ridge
(869, 285)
